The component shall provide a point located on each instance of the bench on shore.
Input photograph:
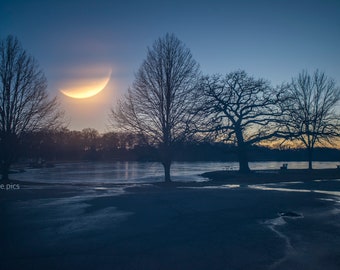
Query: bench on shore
(284, 167)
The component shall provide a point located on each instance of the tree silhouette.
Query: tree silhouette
(24, 102)
(90, 140)
(310, 108)
(159, 103)
(240, 109)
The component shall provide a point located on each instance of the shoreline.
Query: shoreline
(272, 176)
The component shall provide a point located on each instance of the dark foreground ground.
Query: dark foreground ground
(192, 226)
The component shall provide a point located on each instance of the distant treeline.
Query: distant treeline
(88, 144)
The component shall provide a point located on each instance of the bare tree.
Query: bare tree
(90, 140)
(24, 102)
(159, 103)
(240, 109)
(311, 116)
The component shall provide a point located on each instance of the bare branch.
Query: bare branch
(240, 108)
(24, 102)
(311, 104)
(160, 103)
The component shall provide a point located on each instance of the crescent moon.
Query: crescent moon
(88, 90)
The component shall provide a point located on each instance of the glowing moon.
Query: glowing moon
(86, 88)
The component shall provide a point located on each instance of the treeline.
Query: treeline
(90, 145)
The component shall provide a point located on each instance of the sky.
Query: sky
(82, 44)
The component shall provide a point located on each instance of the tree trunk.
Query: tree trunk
(242, 152)
(167, 166)
(166, 159)
(5, 168)
(8, 152)
(243, 160)
(310, 158)
(5, 172)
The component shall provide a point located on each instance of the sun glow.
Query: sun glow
(81, 88)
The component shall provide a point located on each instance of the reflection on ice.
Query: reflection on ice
(289, 250)
(284, 183)
(325, 180)
(92, 221)
(334, 199)
(215, 187)
(266, 187)
(290, 214)
(141, 172)
(334, 193)
(63, 216)
(279, 221)
(231, 186)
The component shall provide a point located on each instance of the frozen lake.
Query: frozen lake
(277, 225)
(142, 172)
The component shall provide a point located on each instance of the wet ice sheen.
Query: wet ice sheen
(271, 188)
(141, 172)
(64, 216)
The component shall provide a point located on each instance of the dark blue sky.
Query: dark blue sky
(270, 39)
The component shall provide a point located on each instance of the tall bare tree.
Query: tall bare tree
(24, 102)
(159, 104)
(240, 109)
(311, 107)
